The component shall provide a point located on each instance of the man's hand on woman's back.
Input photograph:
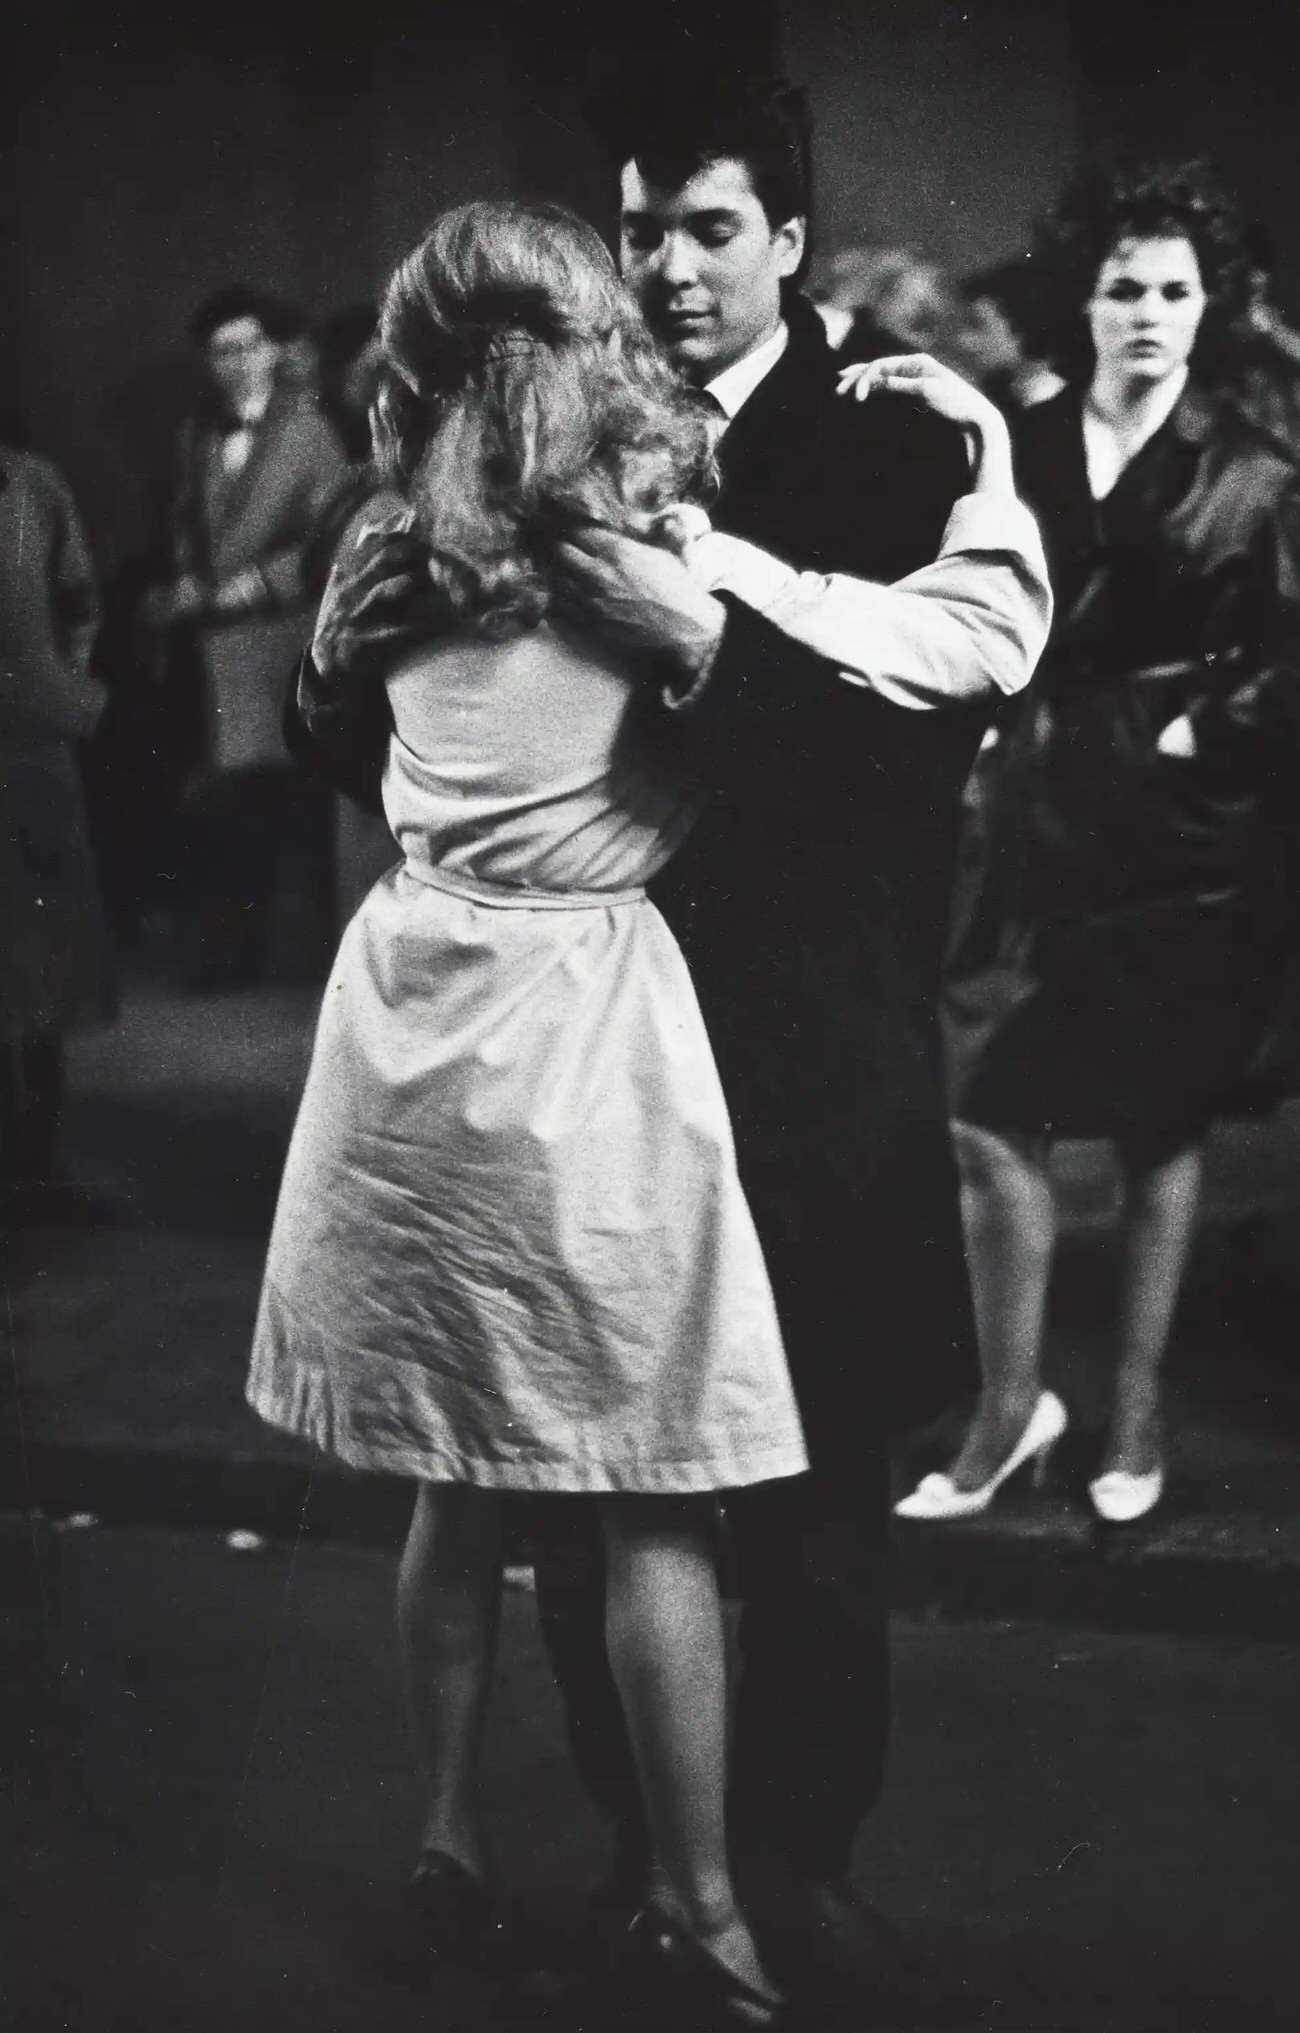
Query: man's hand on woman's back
(378, 604)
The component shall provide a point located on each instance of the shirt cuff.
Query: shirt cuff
(990, 522)
(728, 564)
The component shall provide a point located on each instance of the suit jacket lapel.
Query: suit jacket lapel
(765, 432)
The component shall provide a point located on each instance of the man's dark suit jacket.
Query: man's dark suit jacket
(812, 905)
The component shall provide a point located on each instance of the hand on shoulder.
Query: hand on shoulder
(924, 380)
(379, 599)
(640, 596)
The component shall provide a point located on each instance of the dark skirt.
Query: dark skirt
(1113, 993)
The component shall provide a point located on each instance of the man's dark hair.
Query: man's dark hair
(673, 124)
(278, 320)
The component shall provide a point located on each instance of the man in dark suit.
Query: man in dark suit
(811, 905)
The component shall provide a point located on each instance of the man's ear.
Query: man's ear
(788, 245)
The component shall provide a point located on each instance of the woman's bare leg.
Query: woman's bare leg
(448, 1616)
(1009, 1218)
(1159, 1220)
(666, 1647)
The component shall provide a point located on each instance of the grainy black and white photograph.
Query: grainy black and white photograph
(650, 977)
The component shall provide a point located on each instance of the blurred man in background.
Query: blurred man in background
(256, 469)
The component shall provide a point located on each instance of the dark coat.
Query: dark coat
(52, 940)
(266, 517)
(812, 904)
(1127, 918)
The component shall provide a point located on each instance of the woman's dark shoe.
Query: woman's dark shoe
(691, 1987)
(451, 1911)
(657, 1978)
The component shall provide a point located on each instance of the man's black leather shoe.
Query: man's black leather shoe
(838, 1959)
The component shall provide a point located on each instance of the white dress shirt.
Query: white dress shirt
(737, 383)
(237, 445)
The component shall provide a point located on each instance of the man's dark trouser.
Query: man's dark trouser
(253, 833)
(812, 1701)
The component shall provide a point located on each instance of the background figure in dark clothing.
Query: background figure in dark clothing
(255, 471)
(349, 351)
(813, 905)
(876, 301)
(53, 972)
(1265, 377)
(990, 342)
(1127, 916)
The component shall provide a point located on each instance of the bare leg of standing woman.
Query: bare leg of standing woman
(448, 1616)
(1159, 1220)
(667, 1652)
(1009, 1217)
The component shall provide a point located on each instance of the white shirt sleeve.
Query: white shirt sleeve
(973, 622)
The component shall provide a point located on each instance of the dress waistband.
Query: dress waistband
(502, 896)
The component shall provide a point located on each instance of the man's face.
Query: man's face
(242, 362)
(705, 264)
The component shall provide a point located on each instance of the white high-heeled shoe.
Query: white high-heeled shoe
(1120, 1498)
(937, 1496)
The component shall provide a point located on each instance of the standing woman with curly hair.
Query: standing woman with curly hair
(1124, 919)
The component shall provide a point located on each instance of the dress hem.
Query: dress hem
(313, 1420)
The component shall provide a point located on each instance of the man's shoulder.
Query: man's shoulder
(800, 409)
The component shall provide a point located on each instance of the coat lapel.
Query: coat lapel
(775, 433)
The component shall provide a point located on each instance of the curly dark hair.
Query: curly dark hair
(1118, 196)
(521, 394)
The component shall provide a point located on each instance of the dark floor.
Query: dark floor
(213, 1806)
(211, 1800)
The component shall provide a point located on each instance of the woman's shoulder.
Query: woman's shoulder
(1240, 458)
(1253, 440)
(1036, 431)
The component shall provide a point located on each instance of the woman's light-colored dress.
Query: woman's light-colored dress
(511, 1247)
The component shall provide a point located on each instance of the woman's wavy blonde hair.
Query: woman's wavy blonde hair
(521, 395)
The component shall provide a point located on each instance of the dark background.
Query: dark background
(157, 153)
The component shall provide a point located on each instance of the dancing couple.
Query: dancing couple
(566, 1213)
